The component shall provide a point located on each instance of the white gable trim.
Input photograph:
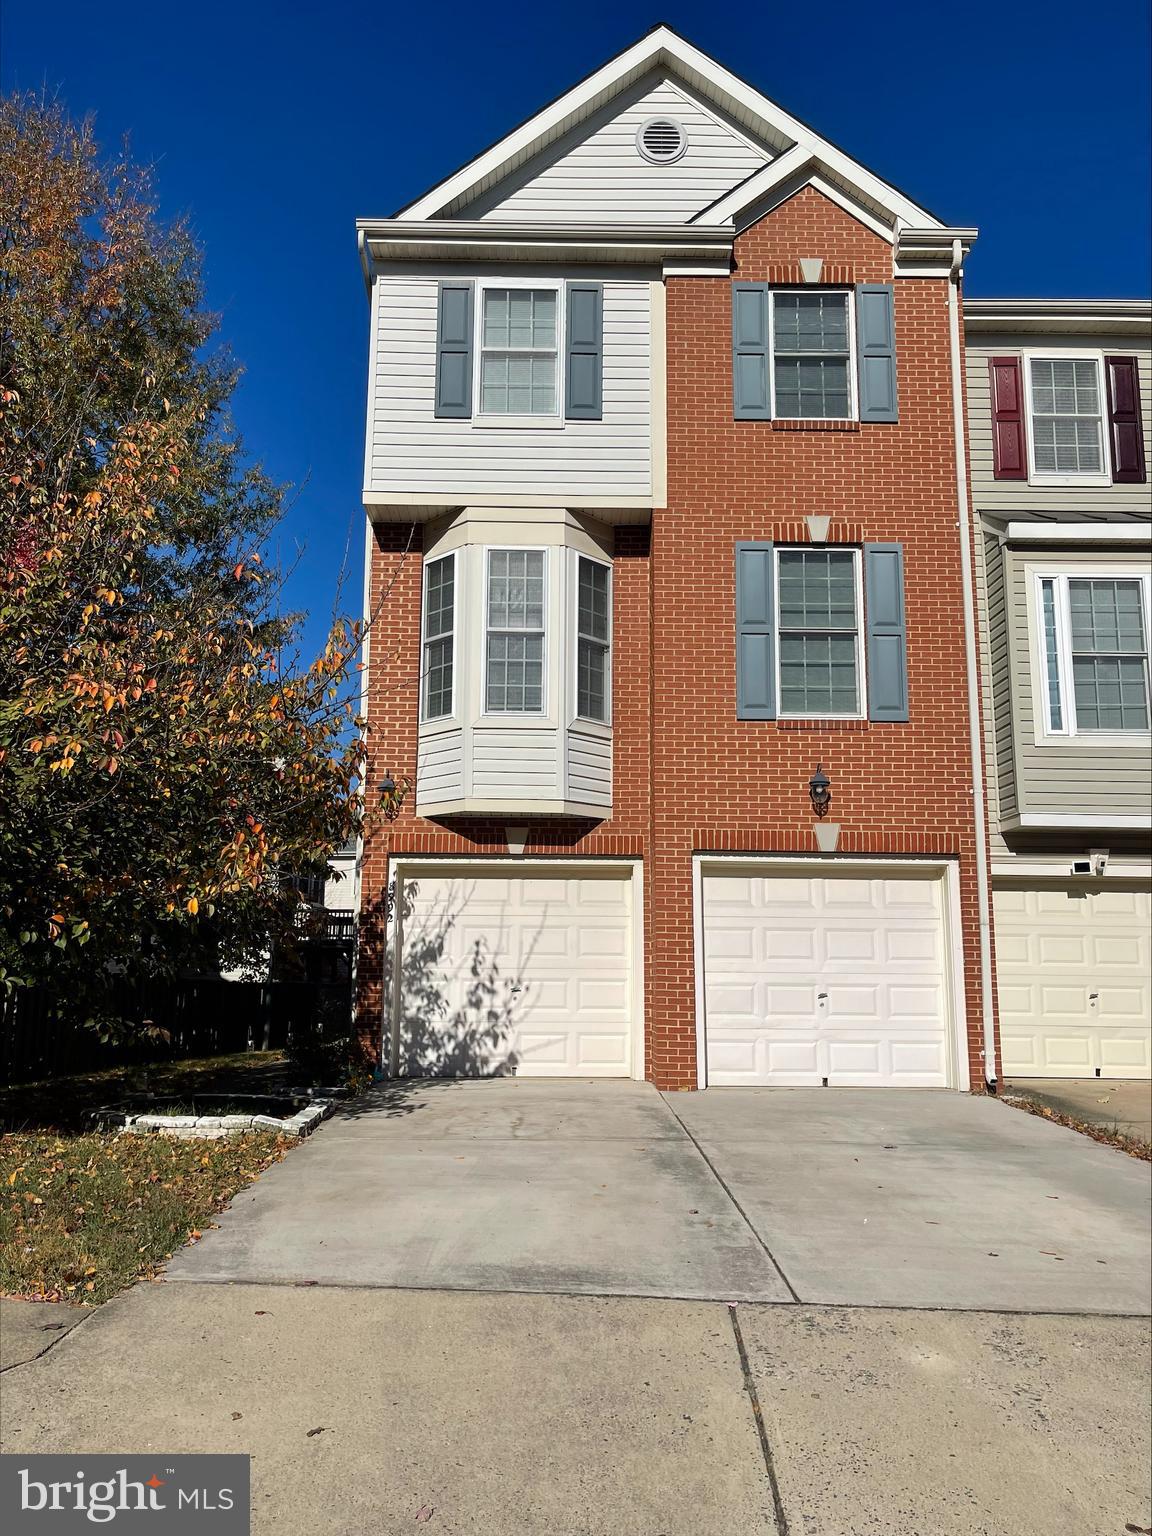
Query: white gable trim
(662, 47)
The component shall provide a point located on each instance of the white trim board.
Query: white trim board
(946, 870)
(1078, 533)
(513, 865)
(1090, 821)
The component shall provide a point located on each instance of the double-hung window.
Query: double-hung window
(439, 636)
(1094, 652)
(593, 639)
(1067, 416)
(519, 352)
(818, 607)
(811, 355)
(515, 620)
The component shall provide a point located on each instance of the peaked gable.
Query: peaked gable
(598, 172)
(500, 177)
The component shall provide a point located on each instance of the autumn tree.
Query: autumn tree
(164, 754)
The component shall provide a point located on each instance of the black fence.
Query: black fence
(173, 1020)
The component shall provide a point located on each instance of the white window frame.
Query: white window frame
(542, 714)
(490, 419)
(450, 718)
(861, 669)
(1069, 730)
(1070, 354)
(853, 390)
(586, 720)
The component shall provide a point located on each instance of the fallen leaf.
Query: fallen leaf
(425, 1513)
(319, 1430)
(237, 1415)
(1049, 1254)
(261, 1314)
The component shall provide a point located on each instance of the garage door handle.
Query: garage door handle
(823, 996)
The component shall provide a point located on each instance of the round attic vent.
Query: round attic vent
(661, 140)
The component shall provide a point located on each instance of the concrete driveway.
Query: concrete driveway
(861, 1198)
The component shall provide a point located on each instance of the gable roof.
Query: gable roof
(786, 136)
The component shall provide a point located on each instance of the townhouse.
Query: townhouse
(1058, 411)
(673, 696)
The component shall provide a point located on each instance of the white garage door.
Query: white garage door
(1072, 965)
(824, 978)
(527, 974)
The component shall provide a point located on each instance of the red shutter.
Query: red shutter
(1009, 455)
(1124, 424)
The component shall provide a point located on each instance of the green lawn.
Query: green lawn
(83, 1216)
(85, 1213)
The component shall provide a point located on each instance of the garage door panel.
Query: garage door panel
(814, 977)
(506, 975)
(1074, 986)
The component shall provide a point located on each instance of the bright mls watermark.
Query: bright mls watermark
(197, 1495)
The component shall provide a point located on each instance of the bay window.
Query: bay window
(515, 622)
(1093, 649)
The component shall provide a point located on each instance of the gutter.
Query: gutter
(975, 739)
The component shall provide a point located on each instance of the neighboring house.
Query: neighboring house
(1059, 405)
(666, 488)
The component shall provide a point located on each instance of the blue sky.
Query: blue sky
(274, 126)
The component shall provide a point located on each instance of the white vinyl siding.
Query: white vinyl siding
(411, 451)
(596, 175)
(1085, 495)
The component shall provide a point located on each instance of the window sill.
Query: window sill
(828, 723)
(1106, 741)
(814, 424)
(518, 423)
(1070, 482)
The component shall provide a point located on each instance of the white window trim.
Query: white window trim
(1075, 354)
(587, 720)
(861, 668)
(433, 722)
(534, 717)
(853, 391)
(1044, 734)
(497, 419)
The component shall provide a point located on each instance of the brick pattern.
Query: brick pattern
(688, 776)
(729, 785)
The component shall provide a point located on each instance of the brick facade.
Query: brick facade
(688, 776)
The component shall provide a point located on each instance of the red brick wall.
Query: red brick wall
(688, 775)
(722, 783)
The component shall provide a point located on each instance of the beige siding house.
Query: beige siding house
(1059, 403)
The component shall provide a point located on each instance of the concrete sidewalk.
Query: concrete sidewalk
(529, 1415)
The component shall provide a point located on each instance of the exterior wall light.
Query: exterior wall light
(820, 791)
(392, 795)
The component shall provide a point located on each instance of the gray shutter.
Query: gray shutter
(750, 351)
(584, 375)
(755, 634)
(887, 641)
(876, 351)
(454, 350)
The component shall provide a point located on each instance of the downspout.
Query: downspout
(976, 744)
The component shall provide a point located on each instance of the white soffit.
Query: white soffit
(663, 48)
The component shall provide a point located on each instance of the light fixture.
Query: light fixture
(820, 791)
(392, 795)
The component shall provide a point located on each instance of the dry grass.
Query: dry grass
(1111, 1136)
(84, 1216)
